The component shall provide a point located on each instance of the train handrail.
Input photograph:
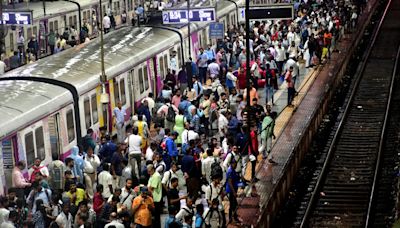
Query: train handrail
(340, 126)
(65, 85)
(381, 142)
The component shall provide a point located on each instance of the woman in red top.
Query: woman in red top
(253, 150)
(98, 201)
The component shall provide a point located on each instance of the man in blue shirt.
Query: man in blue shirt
(171, 146)
(232, 182)
(119, 119)
(38, 193)
(107, 150)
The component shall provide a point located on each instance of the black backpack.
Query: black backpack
(216, 169)
(171, 114)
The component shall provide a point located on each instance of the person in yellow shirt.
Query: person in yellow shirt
(142, 208)
(75, 194)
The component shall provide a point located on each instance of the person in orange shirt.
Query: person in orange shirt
(142, 208)
(290, 86)
(253, 93)
(328, 42)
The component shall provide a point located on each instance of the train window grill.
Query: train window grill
(161, 62)
(51, 26)
(39, 139)
(84, 15)
(11, 40)
(56, 26)
(122, 89)
(29, 32)
(35, 31)
(75, 21)
(70, 22)
(141, 80)
(29, 149)
(180, 60)
(88, 118)
(146, 78)
(116, 91)
(95, 114)
(165, 65)
(70, 126)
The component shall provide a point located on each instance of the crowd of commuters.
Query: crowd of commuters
(189, 152)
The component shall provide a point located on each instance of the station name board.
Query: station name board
(16, 18)
(180, 16)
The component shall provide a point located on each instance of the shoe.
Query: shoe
(272, 161)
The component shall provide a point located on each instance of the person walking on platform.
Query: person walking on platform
(267, 134)
(290, 85)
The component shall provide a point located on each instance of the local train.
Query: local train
(60, 15)
(38, 118)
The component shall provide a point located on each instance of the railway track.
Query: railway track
(345, 191)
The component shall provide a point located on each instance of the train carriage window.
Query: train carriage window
(39, 139)
(84, 15)
(70, 126)
(75, 21)
(122, 89)
(29, 149)
(161, 63)
(51, 26)
(141, 80)
(35, 32)
(70, 21)
(29, 32)
(146, 78)
(116, 91)
(95, 114)
(12, 40)
(180, 60)
(55, 26)
(88, 118)
(166, 64)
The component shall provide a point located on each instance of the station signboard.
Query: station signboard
(180, 16)
(17, 18)
(268, 12)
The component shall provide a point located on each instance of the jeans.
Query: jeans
(202, 74)
(270, 93)
(291, 92)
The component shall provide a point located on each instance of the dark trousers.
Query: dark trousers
(279, 64)
(202, 74)
(291, 92)
(51, 49)
(232, 207)
(253, 168)
(158, 206)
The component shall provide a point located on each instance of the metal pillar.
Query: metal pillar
(188, 10)
(79, 13)
(65, 85)
(44, 7)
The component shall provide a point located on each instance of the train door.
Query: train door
(8, 158)
(54, 130)
(43, 30)
(131, 89)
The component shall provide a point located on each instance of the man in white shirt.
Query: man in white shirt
(213, 69)
(166, 180)
(114, 221)
(134, 142)
(206, 165)
(280, 56)
(106, 179)
(64, 219)
(106, 23)
(127, 194)
(92, 162)
(222, 125)
(189, 134)
(291, 62)
(150, 102)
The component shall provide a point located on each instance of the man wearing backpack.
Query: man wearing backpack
(168, 111)
(186, 210)
(56, 173)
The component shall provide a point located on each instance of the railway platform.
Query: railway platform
(295, 127)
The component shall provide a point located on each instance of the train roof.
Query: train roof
(52, 7)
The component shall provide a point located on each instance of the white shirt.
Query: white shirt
(44, 171)
(188, 135)
(115, 223)
(94, 161)
(166, 180)
(213, 192)
(206, 167)
(149, 154)
(63, 221)
(134, 142)
(105, 178)
(106, 22)
(127, 198)
(222, 125)
(295, 66)
(2, 67)
(213, 68)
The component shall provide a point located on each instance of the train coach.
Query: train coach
(38, 119)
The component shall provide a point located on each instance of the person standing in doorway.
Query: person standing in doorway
(119, 119)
